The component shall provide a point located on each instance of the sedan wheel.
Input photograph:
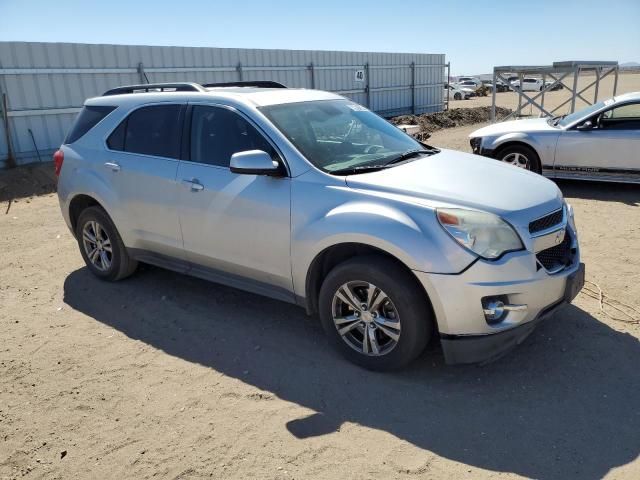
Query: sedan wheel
(365, 318)
(517, 159)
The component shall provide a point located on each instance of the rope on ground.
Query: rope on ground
(630, 311)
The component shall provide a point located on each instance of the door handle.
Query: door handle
(193, 184)
(113, 166)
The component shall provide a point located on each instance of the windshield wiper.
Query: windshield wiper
(374, 168)
(360, 169)
(556, 119)
(412, 153)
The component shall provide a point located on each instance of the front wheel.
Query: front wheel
(375, 313)
(457, 96)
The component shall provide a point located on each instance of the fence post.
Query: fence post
(239, 70)
(576, 73)
(448, 82)
(413, 87)
(11, 159)
(142, 74)
(493, 96)
(366, 85)
(313, 76)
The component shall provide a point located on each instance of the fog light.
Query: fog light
(497, 308)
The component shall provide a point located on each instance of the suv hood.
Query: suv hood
(461, 179)
(529, 125)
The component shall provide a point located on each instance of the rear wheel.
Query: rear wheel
(374, 313)
(520, 156)
(101, 246)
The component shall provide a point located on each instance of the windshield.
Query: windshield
(572, 117)
(339, 134)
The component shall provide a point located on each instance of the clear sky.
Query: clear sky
(475, 35)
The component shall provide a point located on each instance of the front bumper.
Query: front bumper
(465, 334)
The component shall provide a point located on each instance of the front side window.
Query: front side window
(630, 111)
(217, 133)
(153, 130)
(339, 134)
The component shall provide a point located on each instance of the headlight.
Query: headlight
(485, 234)
(570, 218)
(475, 144)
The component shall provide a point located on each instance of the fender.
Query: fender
(521, 137)
(411, 235)
(545, 150)
(92, 186)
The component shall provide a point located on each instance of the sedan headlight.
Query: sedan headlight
(570, 218)
(485, 234)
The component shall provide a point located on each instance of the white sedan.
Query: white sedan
(457, 92)
(600, 142)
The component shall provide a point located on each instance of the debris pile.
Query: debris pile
(456, 117)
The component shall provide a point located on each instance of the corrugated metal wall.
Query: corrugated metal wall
(47, 83)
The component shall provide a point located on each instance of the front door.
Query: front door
(235, 227)
(609, 150)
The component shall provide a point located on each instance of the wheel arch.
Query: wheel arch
(338, 253)
(78, 204)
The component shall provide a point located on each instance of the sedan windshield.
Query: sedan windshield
(340, 136)
(572, 117)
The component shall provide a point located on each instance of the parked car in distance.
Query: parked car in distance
(457, 92)
(557, 86)
(469, 81)
(599, 142)
(529, 84)
(310, 198)
(500, 86)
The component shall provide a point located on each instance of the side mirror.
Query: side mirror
(254, 162)
(585, 126)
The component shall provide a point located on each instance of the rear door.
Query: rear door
(610, 150)
(236, 227)
(142, 164)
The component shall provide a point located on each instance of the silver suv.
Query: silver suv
(310, 198)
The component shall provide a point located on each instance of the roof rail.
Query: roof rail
(147, 87)
(251, 83)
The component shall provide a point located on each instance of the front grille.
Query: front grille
(557, 256)
(548, 221)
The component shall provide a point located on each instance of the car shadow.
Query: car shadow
(564, 404)
(626, 193)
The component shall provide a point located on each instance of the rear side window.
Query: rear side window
(153, 130)
(88, 118)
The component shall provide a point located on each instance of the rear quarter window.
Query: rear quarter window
(88, 118)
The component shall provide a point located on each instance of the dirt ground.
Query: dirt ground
(167, 376)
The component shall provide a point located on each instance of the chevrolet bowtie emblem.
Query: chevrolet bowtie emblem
(559, 238)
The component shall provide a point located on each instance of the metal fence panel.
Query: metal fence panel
(47, 83)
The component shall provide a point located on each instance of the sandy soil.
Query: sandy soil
(166, 376)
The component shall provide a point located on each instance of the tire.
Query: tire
(457, 96)
(95, 229)
(513, 154)
(401, 302)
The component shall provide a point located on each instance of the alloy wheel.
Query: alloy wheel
(366, 318)
(516, 159)
(97, 245)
